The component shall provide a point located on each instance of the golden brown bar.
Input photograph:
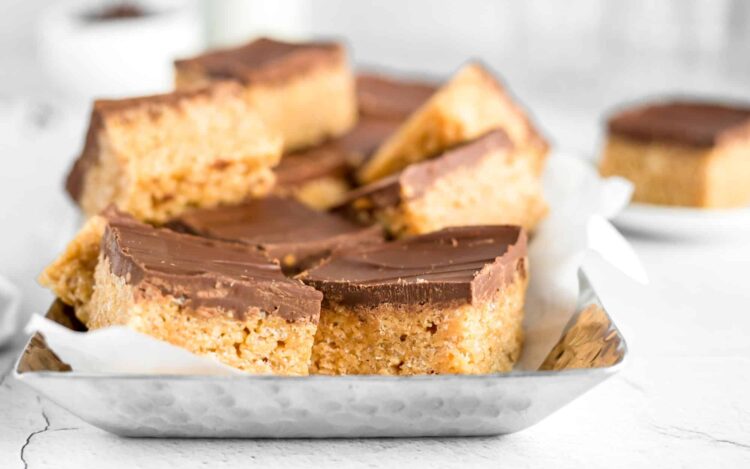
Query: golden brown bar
(682, 153)
(303, 90)
(211, 297)
(71, 275)
(485, 181)
(447, 302)
(472, 103)
(155, 156)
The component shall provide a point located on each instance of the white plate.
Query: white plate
(683, 222)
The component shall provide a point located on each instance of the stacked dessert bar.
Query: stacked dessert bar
(286, 216)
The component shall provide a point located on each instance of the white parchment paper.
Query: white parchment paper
(580, 205)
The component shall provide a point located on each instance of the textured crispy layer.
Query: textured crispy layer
(406, 340)
(469, 105)
(673, 174)
(258, 343)
(154, 157)
(71, 275)
(310, 109)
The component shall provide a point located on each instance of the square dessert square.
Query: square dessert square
(472, 103)
(484, 181)
(683, 153)
(286, 230)
(155, 156)
(211, 297)
(303, 90)
(447, 302)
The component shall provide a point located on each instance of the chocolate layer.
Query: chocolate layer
(204, 273)
(450, 266)
(413, 181)
(692, 123)
(104, 108)
(325, 160)
(390, 98)
(265, 60)
(284, 228)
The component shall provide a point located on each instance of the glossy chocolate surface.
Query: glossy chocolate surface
(204, 273)
(453, 265)
(691, 123)
(285, 229)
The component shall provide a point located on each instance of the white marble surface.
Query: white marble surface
(683, 400)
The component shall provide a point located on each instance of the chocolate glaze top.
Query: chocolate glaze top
(204, 273)
(314, 163)
(692, 123)
(265, 60)
(454, 265)
(385, 97)
(282, 227)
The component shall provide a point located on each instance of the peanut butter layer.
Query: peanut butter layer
(104, 109)
(390, 98)
(206, 274)
(450, 266)
(285, 229)
(692, 123)
(156, 156)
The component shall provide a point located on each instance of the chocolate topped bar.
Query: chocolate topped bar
(415, 179)
(284, 228)
(264, 60)
(691, 123)
(104, 109)
(385, 97)
(462, 264)
(204, 273)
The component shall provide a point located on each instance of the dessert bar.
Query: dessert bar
(155, 156)
(71, 276)
(682, 153)
(286, 230)
(211, 297)
(485, 181)
(447, 302)
(303, 90)
(467, 106)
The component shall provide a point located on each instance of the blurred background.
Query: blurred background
(569, 62)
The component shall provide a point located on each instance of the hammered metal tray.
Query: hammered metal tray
(590, 350)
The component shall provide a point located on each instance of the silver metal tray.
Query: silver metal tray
(590, 350)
